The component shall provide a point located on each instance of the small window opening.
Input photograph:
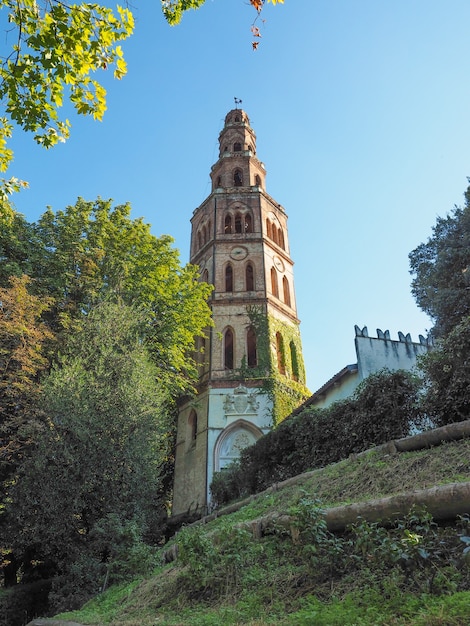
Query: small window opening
(250, 277)
(274, 283)
(228, 349)
(228, 225)
(286, 290)
(294, 361)
(269, 229)
(238, 223)
(281, 364)
(192, 427)
(229, 278)
(257, 181)
(237, 146)
(238, 179)
(252, 358)
(248, 223)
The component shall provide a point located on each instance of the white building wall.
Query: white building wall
(237, 417)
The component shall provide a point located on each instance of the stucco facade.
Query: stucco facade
(373, 354)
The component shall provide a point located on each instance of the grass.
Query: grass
(411, 575)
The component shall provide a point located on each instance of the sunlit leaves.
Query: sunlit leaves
(56, 50)
(173, 9)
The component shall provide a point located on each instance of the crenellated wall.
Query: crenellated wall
(373, 354)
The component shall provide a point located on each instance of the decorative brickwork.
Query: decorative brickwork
(240, 242)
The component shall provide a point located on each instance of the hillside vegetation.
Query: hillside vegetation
(409, 572)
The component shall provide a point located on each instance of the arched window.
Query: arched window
(250, 277)
(238, 223)
(228, 225)
(205, 276)
(228, 349)
(252, 357)
(280, 239)
(274, 283)
(204, 234)
(237, 118)
(257, 181)
(274, 234)
(192, 428)
(229, 278)
(237, 146)
(286, 290)
(248, 223)
(269, 229)
(209, 230)
(281, 362)
(294, 361)
(219, 181)
(238, 178)
(199, 238)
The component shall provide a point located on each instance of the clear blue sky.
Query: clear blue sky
(362, 114)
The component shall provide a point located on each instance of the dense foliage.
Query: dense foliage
(98, 459)
(384, 407)
(441, 269)
(23, 340)
(96, 327)
(447, 371)
(410, 573)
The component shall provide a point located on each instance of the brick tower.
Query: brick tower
(251, 363)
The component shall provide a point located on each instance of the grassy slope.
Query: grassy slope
(276, 581)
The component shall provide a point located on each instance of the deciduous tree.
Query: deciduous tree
(93, 251)
(447, 372)
(98, 461)
(22, 345)
(441, 269)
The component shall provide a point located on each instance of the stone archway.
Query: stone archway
(232, 440)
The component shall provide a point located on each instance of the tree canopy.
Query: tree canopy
(98, 459)
(91, 251)
(441, 268)
(55, 50)
(173, 9)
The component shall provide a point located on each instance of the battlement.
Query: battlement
(385, 335)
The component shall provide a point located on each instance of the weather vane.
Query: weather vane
(237, 101)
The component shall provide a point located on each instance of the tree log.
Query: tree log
(444, 502)
(429, 438)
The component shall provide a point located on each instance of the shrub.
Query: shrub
(384, 407)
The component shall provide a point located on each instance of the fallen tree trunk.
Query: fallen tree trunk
(444, 502)
(430, 438)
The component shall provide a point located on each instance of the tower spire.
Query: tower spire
(239, 240)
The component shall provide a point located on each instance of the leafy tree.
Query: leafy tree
(56, 48)
(447, 372)
(92, 251)
(17, 245)
(173, 9)
(98, 462)
(22, 359)
(441, 266)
